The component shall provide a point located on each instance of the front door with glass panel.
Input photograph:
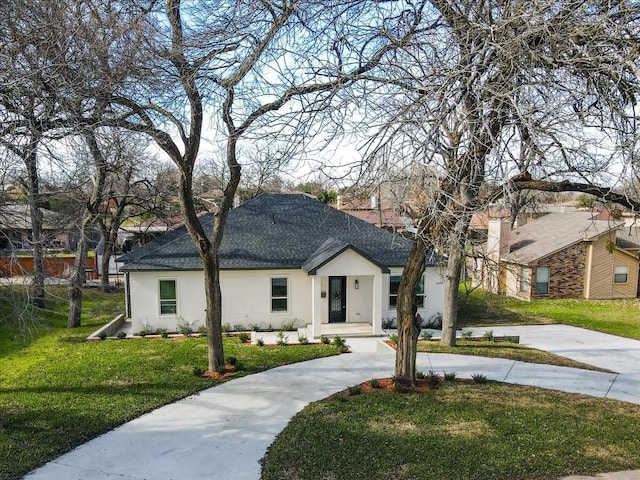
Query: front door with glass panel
(337, 299)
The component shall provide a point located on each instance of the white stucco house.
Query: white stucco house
(284, 258)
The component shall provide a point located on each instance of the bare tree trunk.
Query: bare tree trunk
(214, 312)
(31, 160)
(408, 324)
(78, 276)
(450, 314)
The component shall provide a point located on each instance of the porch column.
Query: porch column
(376, 320)
(316, 307)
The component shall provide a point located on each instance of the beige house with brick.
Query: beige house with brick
(561, 255)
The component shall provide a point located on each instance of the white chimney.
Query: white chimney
(339, 202)
(498, 238)
(374, 202)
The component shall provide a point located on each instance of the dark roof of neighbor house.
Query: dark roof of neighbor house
(552, 233)
(628, 238)
(275, 231)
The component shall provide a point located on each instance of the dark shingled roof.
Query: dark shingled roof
(274, 231)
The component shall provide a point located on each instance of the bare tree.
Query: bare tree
(257, 66)
(498, 97)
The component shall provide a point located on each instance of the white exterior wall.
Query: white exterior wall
(433, 294)
(145, 300)
(246, 298)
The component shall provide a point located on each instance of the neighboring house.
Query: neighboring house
(560, 255)
(15, 228)
(284, 258)
(376, 212)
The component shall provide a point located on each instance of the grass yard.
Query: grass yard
(512, 351)
(459, 431)
(618, 317)
(58, 391)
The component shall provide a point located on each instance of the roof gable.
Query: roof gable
(276, 231)
(553, 232)
(328, 251)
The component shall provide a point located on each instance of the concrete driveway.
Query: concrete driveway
(223, 432)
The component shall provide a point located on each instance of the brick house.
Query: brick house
(561, 255)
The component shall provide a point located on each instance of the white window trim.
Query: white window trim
(288, 297)
(174, 279)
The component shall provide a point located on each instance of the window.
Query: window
(542, 280)
(168, 297)
(525, 280)
(279, 294)
(620, 274)
(394, 284)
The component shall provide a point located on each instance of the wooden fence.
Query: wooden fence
(54, 266)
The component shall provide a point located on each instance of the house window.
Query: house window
(279, 294)
(168, 297)
(542, 280)
(620, 274)
(525, 280)
(394, 284)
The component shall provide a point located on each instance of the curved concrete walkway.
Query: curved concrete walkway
(223, 432)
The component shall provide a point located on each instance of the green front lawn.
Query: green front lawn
(512, 351)
(617, 317)
(58, 391)
(457, 432)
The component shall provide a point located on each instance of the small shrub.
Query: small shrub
(303, 340)
(339, 342)
(355, 390)
(198, 372)
(434, 321)
(254, 327)
(427, 336)
(288, 326)
(479, 378)
(226, 328)
(420, 374)
(467, 334)
(202, 330)
(102, 335)
(450, 376)
(488, 336)
(231, 360)
(260, 342)
(343, 349)
(185, 328)
(375, 383)
(325, 340)
(238, 327)
(433, 379)
(221, 370)
(388, 323)
(244, 337)
(122, 335)
(163, 332)
(282, 339)
(394, 339)
(146, 330)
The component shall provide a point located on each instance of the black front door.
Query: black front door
(337, 299)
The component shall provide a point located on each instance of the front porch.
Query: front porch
(343, 329)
